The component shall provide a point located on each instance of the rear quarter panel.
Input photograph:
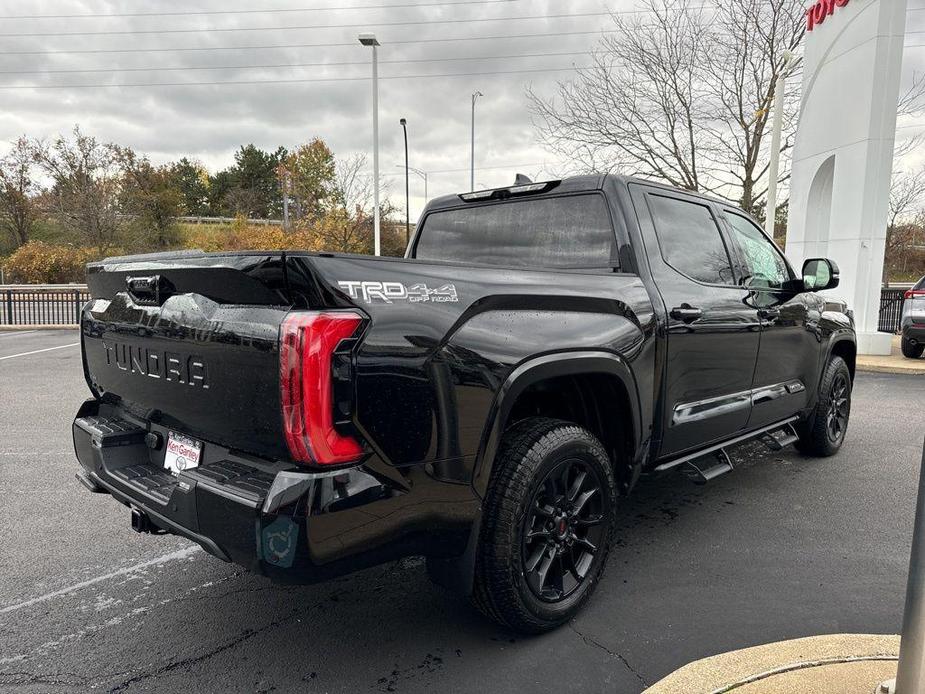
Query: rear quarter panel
(428, 371)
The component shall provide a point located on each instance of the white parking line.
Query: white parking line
(14, 333)
(163, 559)
(36, 351)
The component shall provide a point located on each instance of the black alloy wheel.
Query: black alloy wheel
(548, 522)
(836, 420)
(823, 431)
(563, 531)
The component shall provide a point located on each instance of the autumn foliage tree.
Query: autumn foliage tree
(150, 199)
(307, 177)
(86, 180)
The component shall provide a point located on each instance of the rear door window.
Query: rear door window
(562, 232)
(690, 239)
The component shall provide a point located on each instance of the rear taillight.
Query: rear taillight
(912, 293)
(307, 344)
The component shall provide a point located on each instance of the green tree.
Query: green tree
(149, 194)
(192, 180)
(251, 186)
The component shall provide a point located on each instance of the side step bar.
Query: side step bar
(716, 454)
(702, 474)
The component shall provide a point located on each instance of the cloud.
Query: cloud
(210, 122)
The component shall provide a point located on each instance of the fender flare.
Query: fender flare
(458, 573)
(837, 338)
(538, 369)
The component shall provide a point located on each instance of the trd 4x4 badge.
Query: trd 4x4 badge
(389, 292)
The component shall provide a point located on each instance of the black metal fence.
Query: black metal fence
(57, 304)
(42, 304)
(891, 309)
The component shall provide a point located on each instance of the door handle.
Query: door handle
(686, 313)
(769, 314)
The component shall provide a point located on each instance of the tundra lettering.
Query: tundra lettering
(146, 361)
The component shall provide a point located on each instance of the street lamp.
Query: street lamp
(418, 172)
(370, 40)
(404, 127)
(777, 125)
(422, 174)
(475, 96)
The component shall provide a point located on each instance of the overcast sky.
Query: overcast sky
(209, 123)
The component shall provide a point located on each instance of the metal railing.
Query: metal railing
(46, 304)
(195, 219)
(38, 304)
(891, 309)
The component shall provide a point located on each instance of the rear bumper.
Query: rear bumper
(270, 517)
(914, 331)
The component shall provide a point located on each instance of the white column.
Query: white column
(376, 233)
(843, 155)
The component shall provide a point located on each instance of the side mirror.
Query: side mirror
(819, 274)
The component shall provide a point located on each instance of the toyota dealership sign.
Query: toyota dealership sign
(822, 9)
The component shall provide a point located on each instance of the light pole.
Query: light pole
(777, 126)
(404, 127)
(422, 174)
(286, 187)
(370, 40)
(418, 172)
(475, 96)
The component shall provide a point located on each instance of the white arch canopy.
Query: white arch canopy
(843, 155)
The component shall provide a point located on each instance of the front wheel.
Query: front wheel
(824, 430)
(548, 522)
(911, 349)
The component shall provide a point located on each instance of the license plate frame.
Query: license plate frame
(181, 452)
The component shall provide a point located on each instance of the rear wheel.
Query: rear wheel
(911, 349)
(547, 526)
(824, 431)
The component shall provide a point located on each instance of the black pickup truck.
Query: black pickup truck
(484, 401)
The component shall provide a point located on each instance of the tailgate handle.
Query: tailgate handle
(150, 289)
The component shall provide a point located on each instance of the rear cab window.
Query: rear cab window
(562, 232)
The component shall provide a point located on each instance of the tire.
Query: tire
(823, 432)
(537, 513)
(910, 350)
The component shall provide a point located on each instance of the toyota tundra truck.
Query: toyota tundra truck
(484, 402)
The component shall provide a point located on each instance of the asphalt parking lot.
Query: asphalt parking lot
(783, 547)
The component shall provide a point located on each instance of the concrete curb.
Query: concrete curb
(913, 369)
(845, 663)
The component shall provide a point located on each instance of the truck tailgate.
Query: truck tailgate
(190, 341)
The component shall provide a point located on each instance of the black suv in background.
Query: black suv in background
(485, 401)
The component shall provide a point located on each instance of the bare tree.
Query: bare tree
(86, 183)
(17, 191)
(911, 103)
(681, 93)
(347, 225)
(907, 209)
(748, 52)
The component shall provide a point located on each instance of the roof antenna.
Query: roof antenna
(520, 180)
